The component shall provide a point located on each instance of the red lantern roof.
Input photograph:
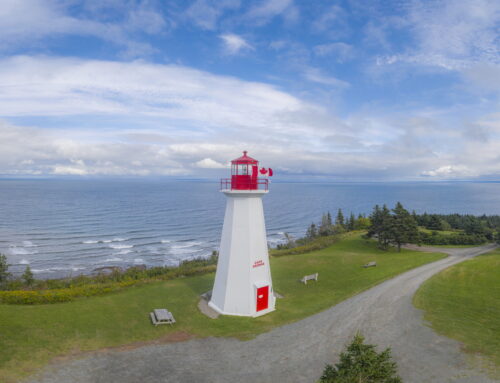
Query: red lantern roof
(244, 159)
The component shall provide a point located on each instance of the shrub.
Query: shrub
(360, 363)
(435, 238)
(316, 244)
(30, 297)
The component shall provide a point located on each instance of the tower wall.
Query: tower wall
(243, 264)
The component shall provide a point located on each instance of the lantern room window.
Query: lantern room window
(240, 169)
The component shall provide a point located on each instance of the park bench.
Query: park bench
(312, 277)
(370, 264)
(161, 316)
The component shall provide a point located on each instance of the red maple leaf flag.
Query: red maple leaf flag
(268, 171)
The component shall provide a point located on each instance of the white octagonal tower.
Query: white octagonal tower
(243, 284)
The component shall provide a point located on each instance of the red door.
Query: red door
(262, 298)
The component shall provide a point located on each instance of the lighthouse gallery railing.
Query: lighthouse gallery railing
(260, 184)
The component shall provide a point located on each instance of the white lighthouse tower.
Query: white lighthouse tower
(243, 284)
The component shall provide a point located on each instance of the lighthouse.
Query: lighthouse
(243, 284)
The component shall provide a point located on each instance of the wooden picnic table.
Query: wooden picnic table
(162, 316)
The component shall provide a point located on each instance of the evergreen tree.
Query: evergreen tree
(326, 227)
(340, 218)
(360, 363)
(329, 219)
(4, 267)
(28, 276)
(434, 223)
(404, 227)
(311, 232)
(381, 226)
(351, 223)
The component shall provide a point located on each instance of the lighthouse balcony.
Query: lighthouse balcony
(244, 184)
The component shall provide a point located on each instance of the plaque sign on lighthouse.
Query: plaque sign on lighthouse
(243, 284)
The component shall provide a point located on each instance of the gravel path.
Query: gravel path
(297, 352)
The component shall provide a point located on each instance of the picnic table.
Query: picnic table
(161, 316)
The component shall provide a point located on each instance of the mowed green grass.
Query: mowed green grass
(33, 335)
(463, 303)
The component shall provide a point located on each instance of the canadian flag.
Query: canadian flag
(267, 171)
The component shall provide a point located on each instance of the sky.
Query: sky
(373, 90)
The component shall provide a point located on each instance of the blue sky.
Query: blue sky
(343, 90)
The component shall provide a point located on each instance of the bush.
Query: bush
(452, 239)
(316, 244)
(362, 364)
(30, 297)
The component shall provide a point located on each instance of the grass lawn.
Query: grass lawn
(33, 335)
(450, 246)
(463, 303)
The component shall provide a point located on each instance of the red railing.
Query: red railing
(260, 184)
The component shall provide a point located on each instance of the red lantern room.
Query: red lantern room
(245, 175)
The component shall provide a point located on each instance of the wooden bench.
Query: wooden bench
(370, 264)
(161, 316)
(312, 277)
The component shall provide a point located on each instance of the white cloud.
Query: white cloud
(343, 52)
(316, 75)
(266, 10)
(452, 35)
(233, 44)
(26, 23)
(142, 119)
(208, 163)
(448, 171)
(206, 13)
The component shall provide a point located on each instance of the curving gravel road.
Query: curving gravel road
(297, 352)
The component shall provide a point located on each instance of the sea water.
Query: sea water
(68, 227)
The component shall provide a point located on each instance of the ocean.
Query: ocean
(69, 227)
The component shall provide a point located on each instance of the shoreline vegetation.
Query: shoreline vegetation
(389, 227)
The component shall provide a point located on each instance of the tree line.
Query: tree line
(397, 226)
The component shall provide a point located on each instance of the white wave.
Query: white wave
(29, 244)
(14, 250)
(119, 239)
(138, 260)
(38, 271)
(126, 251)
(186, 245)
(180, 251)
(90, 241)
(165, 241)
(118, 247)
(106, 241)
(54, 269)
(24, 262)
(113, 259)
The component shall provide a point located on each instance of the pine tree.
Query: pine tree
(28, 276)
(351, 223)
(360, 363)
(404, 227)
(311, 232)
(340, 218)
(329, 219)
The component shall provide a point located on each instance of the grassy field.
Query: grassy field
(463, 303)
(33, 335)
